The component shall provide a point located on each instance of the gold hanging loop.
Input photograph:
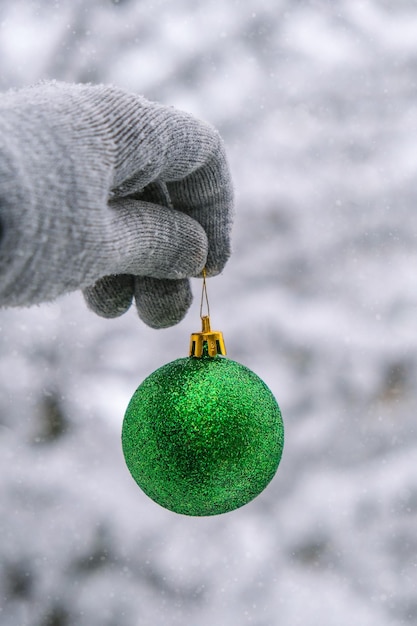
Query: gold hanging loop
(212, 340)
(204, 295)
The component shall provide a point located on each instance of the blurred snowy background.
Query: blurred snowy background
(316, 101)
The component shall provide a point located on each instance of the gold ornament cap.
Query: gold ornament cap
(212, 338)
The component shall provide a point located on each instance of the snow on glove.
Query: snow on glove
(104, 191)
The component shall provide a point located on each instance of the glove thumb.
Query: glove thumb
(151, 250)
(147, 239)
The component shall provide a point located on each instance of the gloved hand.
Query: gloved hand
(105, 191)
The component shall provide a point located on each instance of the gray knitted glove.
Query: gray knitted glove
(105, 191)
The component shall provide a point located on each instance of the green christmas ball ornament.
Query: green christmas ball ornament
(203, 435)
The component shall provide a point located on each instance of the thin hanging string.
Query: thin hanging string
(204, 296)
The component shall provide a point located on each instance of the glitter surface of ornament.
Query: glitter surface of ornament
(202, 436)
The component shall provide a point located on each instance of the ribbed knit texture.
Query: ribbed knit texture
(104, 191)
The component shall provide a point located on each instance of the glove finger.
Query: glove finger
(110, 296)
(189, 156)
(211, 206)
(147, 239)
(206, 195)
(162, 303)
